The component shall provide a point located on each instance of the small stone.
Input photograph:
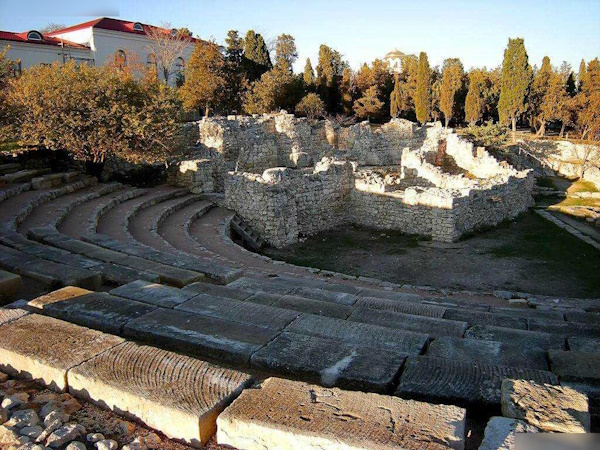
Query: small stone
(107, 444)
(506, 295)
(3, 377)
(32, 431)
(9, 438)
(54, 416)
(55, 425)
(65, 434)
(94, 437)
(15, 400)
(151, 440)
(136, 444)
(48, 408)
(32, 446)
(500, 433)
(44, 398)
(548, 407)
(3, 415)
(76, 445)
(69, 404)
(127, 428)
(24, 418)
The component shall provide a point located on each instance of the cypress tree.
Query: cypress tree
(262, 53)
(396, 98)
(537, 92)
(309, 74)
(452, 79)
(256, 55)
(581, 76)
(474, 103)
(422, 95)
(514, 82)
(329, 71)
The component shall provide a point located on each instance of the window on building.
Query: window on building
(138, 26)
(120, 59)
(151, 61)
(179, 71)
(34, 36)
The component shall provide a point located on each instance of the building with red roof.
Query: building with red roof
(97, 42)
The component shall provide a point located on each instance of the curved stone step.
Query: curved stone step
(567, 329)
(488, 352)
(178, 395)
(168, 274)
(16, 209)
(215, 289)
(114, 221)
(428, 377)
(293, 415)
(421, 324)
(529, 313)
(174, 229)
(11, 191)
(406, 342)
(47, 360)
(153, 293)
(52, 212)
(592, 318)
(143, 226)
(215, 272)
(583, 344)
(330, 363)
(47, 272)
(522, 338)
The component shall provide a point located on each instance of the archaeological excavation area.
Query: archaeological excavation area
(148, 302)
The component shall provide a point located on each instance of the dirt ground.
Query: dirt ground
(529, 254)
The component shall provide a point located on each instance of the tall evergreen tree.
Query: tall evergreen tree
(537, 92)
(329, 71)
(581, 76)
(256, 55)
(452, 81)
(396, 98)
(422, 94)
(348, 91)
(309, 74)
(474, 104)
(514, 84)
(286, 53)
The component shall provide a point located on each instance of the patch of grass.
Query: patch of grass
(582, 186)
(575, 201)
(561, 253)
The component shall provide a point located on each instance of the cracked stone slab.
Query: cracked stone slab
(522, 338)
(290, 415)
(431, 325)
(575, 366)
(418, 309)
(98, 310)
(486, 318)
(559, 409)
(153, 293)
(178, 395)
(302, 304)
(200, 335)
(315, 283)
(461, 381)
(330, 363)
(500, 433)
(582, 344)
(406, 342)
(44, 349)
(218, 290)
(236, 311)
(8, 314)
(489, 352)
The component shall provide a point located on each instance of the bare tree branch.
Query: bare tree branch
(167, 47)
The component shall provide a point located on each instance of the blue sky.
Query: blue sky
(476, 31)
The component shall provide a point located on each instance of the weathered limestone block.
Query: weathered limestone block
(575, 366)
(44, 349)
(8, 315)
(500, 433)
(153, 293)
(548, 407)
(178, 395)
(289, 415)
(57, 296)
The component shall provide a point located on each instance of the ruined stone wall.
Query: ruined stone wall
(284, 204)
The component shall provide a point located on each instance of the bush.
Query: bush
(311, 106)
(92, 112)
(488, 135)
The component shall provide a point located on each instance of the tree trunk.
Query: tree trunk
(562, 129)
(514, 128)
(542, 129)
(446, 120)
(206, 111)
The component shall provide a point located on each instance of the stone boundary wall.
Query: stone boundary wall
(563, 157)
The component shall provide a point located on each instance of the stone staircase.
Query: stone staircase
(137, 268)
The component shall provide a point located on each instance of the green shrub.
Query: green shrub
(488, 135)
(92, 112)
(311, 106)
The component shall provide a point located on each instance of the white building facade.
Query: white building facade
(98, 42)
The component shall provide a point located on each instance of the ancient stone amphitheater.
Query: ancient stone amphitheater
(142, 303)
